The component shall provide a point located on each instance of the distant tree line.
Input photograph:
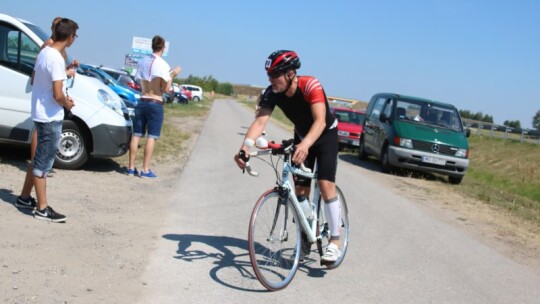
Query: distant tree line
(208, 84)
(536, 120)
(476, 116)
(509, 123)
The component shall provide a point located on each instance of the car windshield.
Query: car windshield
(104, 76)
(38, 31)
(424, 112)
(349, 116)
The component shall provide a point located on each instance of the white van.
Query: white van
(100, 125)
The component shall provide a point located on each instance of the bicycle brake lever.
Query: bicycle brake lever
(250, 171)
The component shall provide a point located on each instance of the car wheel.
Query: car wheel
(386, 167)
(362, 155)
(72, 152)
(455, 180)
(196, 98)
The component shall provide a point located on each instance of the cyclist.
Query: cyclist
(303, 101)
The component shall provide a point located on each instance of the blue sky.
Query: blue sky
(480, 55)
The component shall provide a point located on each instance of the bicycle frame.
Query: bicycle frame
(277, 241)
(286, 188)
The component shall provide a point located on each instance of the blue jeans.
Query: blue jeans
(48, 138)
(148, 118)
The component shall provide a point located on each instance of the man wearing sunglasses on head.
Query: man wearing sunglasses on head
(303, 101)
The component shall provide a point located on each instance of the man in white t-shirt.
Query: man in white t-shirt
(48, 103)
(156, 77)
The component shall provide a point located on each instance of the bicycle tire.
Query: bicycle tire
(323, 231)
(274, 241)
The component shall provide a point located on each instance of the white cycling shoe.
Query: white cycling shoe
(331, 254)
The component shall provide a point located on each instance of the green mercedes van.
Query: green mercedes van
(417, 134)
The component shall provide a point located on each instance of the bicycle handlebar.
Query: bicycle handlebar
(285, 148)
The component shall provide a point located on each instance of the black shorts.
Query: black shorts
(324, 152)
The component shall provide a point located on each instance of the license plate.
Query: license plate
(356, 143)
(433, 160)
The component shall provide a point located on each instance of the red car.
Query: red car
(349, 126)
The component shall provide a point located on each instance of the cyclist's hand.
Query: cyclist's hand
(300, 153)
(241, 159)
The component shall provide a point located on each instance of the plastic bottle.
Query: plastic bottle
(306, 206)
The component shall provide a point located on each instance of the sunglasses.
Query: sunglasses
(275, 75)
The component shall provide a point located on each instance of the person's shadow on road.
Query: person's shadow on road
(228, 262)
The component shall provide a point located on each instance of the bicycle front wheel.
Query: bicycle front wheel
(274, 240)
(324, 232)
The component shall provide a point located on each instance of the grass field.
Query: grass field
(506, 174)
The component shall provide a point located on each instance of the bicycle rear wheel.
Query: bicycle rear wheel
(324, 232)
(274, 240)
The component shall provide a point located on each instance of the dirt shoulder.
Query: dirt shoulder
(113, 220)
(488, 224)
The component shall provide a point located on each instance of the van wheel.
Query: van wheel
(455, 180)
(72, 152)
(362, 155)
(196, 98)
(386, 167)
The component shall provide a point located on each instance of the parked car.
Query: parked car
(123, 78)
(130, 96)
(415, 133)
(99, 125)
(349, 126)
(177, 94)
(130, 81)
(196, 91)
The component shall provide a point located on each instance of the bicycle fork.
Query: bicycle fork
(282, 202)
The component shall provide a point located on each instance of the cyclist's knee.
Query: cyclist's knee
(328, 189)
(300, 190)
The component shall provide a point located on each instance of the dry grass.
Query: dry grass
(505, 174)
(176, 131)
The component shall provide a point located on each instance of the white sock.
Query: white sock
(332, 209)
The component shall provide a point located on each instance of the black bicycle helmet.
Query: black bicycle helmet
(281, 61)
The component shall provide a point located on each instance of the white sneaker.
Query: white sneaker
(331, 254)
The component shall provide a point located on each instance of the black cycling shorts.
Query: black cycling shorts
(324, 152)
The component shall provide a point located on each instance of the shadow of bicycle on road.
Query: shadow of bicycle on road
(232, 269)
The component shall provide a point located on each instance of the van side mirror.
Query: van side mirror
(467, 132)
(383, 117)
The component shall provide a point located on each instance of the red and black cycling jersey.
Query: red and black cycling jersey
(298, 107)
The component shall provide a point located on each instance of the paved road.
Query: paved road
(397, 252)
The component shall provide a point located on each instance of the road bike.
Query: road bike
(280, 232)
